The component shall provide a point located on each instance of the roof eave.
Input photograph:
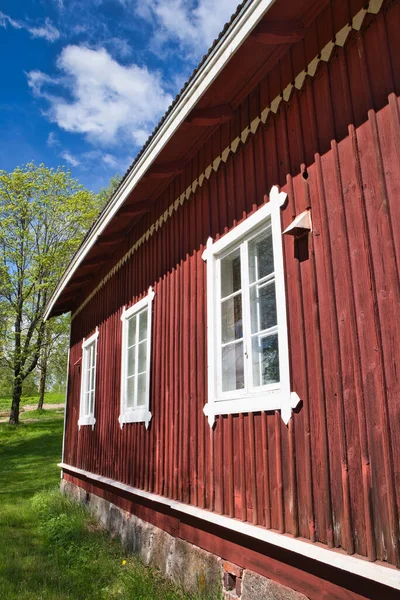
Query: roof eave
(235, 35)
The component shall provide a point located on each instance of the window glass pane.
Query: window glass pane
(230, 273)
(87, 404)
(87, 373)
(232, 367)
(142, 357)
(142, 325)
(265, 358)
(130, 392)
(262, 307)
(91, 402)
(132, 331)
(92, 378)
(141, 391)
(131, 361)
(231, 319)
(88, 351)
(92, 354)
(261, 256)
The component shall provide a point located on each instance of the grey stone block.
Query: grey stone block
(160, 549)
(99, 508)
(257, 587)
(193, 568)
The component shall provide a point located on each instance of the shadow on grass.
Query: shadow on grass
(50, 548)
(28, 458)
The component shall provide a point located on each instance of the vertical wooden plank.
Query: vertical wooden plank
(253, 470)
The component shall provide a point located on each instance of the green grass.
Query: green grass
(50, 548)
(49, 398)
(43, 414)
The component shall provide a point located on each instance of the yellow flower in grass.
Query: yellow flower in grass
(124, 562)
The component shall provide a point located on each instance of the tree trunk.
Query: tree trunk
(42, 382)
(16, 399)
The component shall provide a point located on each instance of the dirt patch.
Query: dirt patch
(45, 406)
(5, 415)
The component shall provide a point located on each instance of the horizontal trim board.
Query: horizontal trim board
(385, 575)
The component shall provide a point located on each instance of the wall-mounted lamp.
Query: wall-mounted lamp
(300, 226)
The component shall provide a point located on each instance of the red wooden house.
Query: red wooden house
(233, 388)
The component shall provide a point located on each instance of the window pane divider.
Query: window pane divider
(225, 344)
(266, 332)
(233, 295)
(135, 391)
(246, 315)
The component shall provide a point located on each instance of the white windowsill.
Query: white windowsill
(138, 415)
(263, 402)
(88, 420)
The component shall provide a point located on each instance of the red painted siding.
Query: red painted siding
(332, 475)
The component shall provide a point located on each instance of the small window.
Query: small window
(248, 363)
(135, 372)
(88, 381)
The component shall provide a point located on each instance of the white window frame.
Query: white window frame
(140, 414)
(86, 418)
(263, 398)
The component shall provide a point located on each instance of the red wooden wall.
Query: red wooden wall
(333, 474)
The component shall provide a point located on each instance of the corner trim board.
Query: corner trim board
(385, 575)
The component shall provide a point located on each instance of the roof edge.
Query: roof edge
(229, 43)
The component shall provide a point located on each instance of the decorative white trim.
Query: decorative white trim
(264, 398)
(139, 414)
(88, 419)
(91, 339)
(373, 571)
(272, 109)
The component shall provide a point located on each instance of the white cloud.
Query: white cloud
(106, 101)
(52, 140)
(5, 19)
(110, 161)
(46, 31)
(193, 25)
(119, 46)
(70, 158)
(140, 136)
(96, 157)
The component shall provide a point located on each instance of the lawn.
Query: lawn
(50, 548)
(50, 398)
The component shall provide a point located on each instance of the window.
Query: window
(248, 361)
(135, 372)
(88, 381)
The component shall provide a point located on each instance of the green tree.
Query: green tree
(43, 216)
(105, 193)
(53, 354)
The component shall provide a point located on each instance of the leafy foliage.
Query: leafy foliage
(105, 194)
(43, 216)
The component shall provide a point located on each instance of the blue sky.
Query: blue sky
(85, 81)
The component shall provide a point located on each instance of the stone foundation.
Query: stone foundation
(189, 566)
